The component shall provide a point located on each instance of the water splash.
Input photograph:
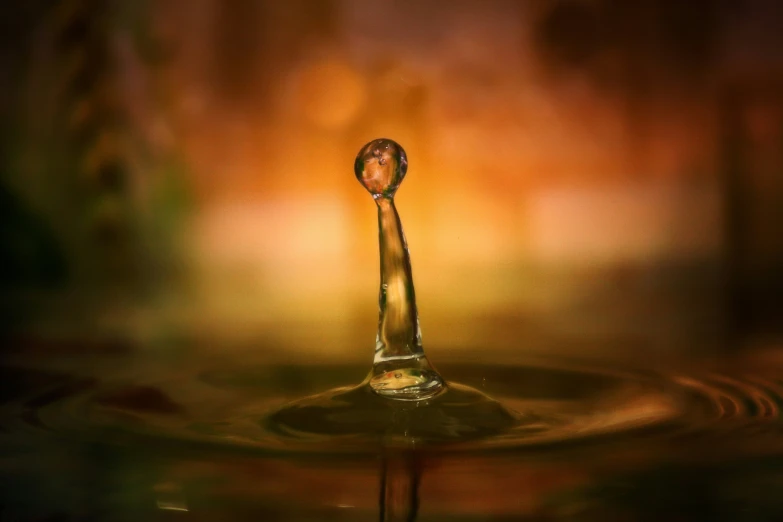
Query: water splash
(400, 368)
(403, 398)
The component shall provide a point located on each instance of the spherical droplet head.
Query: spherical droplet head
(380, 167)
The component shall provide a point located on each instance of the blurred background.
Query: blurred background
(586, 176)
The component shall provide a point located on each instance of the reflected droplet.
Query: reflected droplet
(381, 166)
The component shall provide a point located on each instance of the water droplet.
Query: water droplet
(381, 166)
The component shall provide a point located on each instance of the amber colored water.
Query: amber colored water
(580, 442)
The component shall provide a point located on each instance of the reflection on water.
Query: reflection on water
(593, 443)
(400, 475)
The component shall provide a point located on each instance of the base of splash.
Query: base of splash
(255, 408)
(458, 413)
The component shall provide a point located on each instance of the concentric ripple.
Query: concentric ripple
(537, 406)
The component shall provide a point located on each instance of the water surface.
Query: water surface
(587, 442)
